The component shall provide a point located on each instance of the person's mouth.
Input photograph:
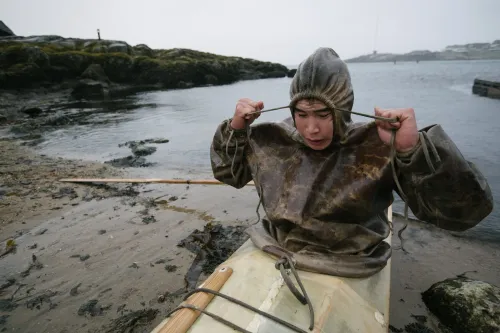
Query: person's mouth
(316, 142)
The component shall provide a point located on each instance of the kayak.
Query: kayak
(249, 275)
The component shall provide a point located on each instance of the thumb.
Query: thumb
(378, 111)
(260, 105)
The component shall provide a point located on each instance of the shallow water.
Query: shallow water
(440, 92)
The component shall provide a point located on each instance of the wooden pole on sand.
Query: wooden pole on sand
(150, 180)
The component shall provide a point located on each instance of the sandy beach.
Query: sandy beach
(95, 258)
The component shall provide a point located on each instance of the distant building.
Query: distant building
(5, 31)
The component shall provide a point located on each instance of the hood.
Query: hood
(324, 76)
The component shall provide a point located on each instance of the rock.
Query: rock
(158, 140)
(7, 305)
(142, 150)
(274, 74)
(22, 75)
(132, 144)
(170, 268)
(486, 88)
(465, 305)
(99, 49)
(129, 162)
(89, 89)
(160, 261)
(65, 45)
(291, 73)
(148, 219)
(118, 47)
(185, 85)
(3, 320)
(65, 191)
(92, 308)
(211, 79)
(41, 231)
(32, 112)
(74, 290)
(143, 50)
(26, 54)
(37, 302)
(96, 73)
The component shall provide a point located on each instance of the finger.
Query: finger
(246, 100)
(256, 105)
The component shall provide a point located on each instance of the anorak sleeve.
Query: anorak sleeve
(441, 187)
(227, 155)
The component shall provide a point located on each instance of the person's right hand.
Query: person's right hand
(244, 107)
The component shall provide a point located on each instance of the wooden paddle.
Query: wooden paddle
(150, 180)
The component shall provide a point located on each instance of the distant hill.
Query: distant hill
(473, 51)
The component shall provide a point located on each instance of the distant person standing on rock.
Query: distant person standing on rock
(98, 34)
(326, 183)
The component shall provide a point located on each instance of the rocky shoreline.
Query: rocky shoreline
(99, 68)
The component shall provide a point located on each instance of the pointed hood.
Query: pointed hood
(324, 76)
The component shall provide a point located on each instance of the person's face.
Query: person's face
(314, 123)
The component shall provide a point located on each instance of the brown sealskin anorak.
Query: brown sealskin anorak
(328, 209)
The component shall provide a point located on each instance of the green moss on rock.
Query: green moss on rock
(465, 305)
(54, 59)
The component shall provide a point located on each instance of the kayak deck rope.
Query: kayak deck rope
(285, 262)
(238, 302)
(214, 316)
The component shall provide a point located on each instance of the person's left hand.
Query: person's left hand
(407, 132)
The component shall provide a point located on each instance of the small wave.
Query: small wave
(463, 88)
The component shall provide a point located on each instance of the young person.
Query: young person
(325, 182)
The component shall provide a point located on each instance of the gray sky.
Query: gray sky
(271, 30)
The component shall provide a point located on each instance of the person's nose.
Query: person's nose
(312, 126)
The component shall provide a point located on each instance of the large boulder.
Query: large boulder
(96, 73)
(118, 47)
(22, 54)
(90, 89)
(22, 75)
(465, 305)
(143, 50)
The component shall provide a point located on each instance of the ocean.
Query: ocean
(440, 93)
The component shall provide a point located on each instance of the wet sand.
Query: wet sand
(109, 253)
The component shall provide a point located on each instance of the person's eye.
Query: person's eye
(324, 114)
(302, 115)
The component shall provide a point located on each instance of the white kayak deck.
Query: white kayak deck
(340, 304)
